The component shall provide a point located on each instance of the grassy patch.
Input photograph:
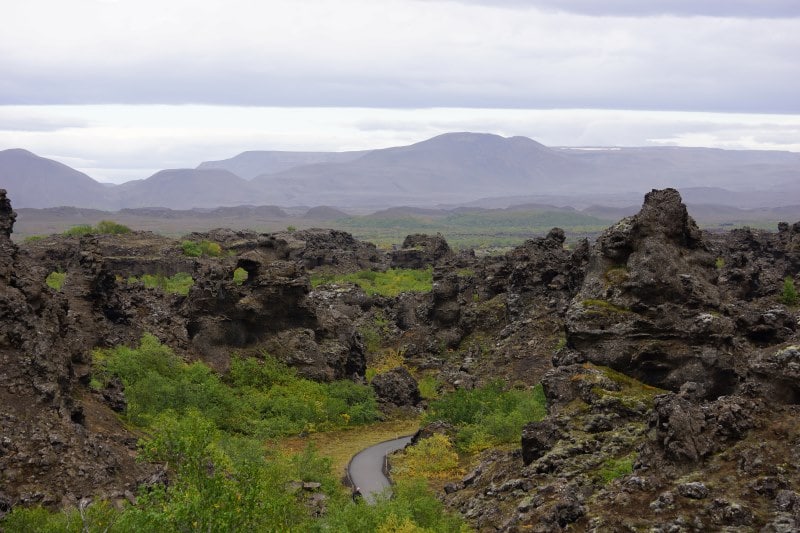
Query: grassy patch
(202, 248)
(390, 283)
(614, 468)
(616, 275)
(603, 307)
(180, 283)
(55, 280)
(104, 227)
(429, 387)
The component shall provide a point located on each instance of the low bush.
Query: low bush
(789, 292)
(257, 397)
(488, 415)
(55, 280)
(434, 457)
(240, 275)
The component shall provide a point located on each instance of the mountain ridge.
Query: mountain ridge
(453, 169)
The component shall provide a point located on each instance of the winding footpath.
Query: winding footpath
(366, 467)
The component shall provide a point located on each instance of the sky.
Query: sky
(122, 88)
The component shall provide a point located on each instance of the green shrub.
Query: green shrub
(429, 458)
(429, 387)
(488, 415)
(240, 275)
(33, 238)
(55, 280)
(202, 248)
(789, 292)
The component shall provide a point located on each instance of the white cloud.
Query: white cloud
(393, 53)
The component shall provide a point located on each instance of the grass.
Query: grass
(180, 283)
(390, 283)
(341, 445)
(202, 248)
(603, 307)
(104, 227)
(615, 468)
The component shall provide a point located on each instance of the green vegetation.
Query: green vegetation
(209, 429)
(79, 230)
(488, 416)
(240, 275)
(104, 227)
(429, 387)
(55, 280)
(616, 275)
(201, 248)
(390, 283)
(483, 231)
(719, 263)
(33, 238)
(180, 283)
(434, 457)
(257, 397)
(789, 292)
(612, 469)
(291, 229)
(602, 307)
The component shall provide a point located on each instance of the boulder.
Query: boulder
(397, 387)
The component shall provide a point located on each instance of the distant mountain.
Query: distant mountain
(250, 164)
(447, 171)
(189, 188)
(450, 167)
(324, 212)
(34, 181)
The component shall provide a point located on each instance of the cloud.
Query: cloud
(12, 119)
(396, 54)
(637, 8)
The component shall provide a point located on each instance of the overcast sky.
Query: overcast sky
(121, 88)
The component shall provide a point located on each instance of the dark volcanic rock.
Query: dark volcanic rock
(420, 250)
(649, 304)
(397, 387)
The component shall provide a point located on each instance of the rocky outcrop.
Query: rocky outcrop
(58, 443)
(650, 305)
(396, 387)
(420, 251)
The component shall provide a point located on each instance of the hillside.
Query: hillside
(39, 182)
(254, 163)
(187, 188)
